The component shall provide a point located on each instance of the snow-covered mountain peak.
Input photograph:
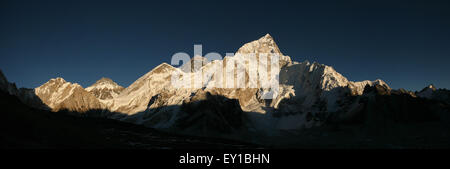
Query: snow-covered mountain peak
(104, 83)
(104, 80)
(55, 83)
(57, 80)
(265, 44)
(163, 68)
(59, 94)
(105, 89)
(267, 36)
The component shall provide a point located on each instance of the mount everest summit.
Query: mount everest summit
(306, 91)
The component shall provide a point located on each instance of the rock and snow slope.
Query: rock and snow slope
(58, 94)
(105, 90)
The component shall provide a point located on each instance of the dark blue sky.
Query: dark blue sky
(405, 43)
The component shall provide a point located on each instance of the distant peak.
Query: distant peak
(432, 87)
(58, 79)
(428, 88)
(104, 79)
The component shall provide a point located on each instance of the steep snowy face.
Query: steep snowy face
(136, 97)
(427, 92)
(105, 89)
(312, 83)
(58, 94)
(316, 83)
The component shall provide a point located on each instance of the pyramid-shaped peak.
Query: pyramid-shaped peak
(265, 44)
(267, 39)
(105, 80)
(164, 65)
(267, 36)
(102, 83)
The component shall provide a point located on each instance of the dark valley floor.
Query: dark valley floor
(25, 127)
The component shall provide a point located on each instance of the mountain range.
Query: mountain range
(310, 95)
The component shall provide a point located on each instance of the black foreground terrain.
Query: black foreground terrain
(25, 127)
(414, 124)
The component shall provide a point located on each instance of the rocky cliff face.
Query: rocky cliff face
(6, 86)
